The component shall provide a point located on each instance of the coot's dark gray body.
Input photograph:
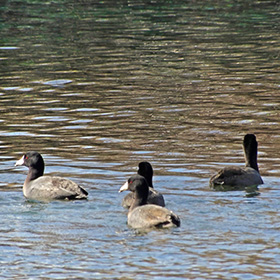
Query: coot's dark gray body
(234, 178)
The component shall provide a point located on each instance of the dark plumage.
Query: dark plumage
(154, 197)
(236, 178)
(39, 187)
(142, 215)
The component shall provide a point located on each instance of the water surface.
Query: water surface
(98, 87)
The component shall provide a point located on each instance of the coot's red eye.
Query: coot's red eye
(26, 157)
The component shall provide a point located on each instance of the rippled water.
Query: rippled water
(97, 88)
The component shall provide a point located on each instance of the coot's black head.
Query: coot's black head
(146, 170)
(137, 184)
(33, 160)
(251, 149)
(249, 140)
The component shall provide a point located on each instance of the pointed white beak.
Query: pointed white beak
(124, 187)
(20, 161)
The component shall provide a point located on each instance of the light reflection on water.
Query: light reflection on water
(96, 88)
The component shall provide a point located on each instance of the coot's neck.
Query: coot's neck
(251, 153)
(149, 180)
(34, 173)
(141, 196)
(137, 202)
(148, 174)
